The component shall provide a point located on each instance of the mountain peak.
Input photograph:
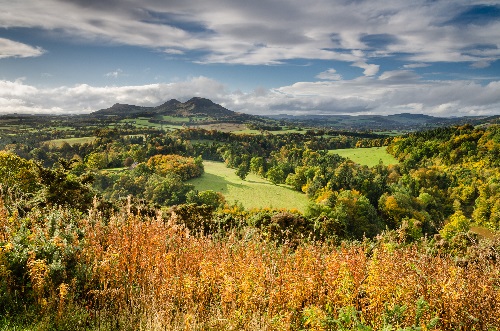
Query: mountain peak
(195, 106)
(201, 101)
(172, 102)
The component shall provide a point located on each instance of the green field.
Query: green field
(71, 141)
(253, 192)
(366, 156)
(392, 133)
(284, 131)
(142, 122)
(179, 119)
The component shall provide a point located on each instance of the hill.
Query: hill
(195, 107)
(404, 121)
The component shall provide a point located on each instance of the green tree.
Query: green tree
(276, 175)
(166, 190)
(243, 170)
(357, 213)
(97, 160)
(17, 175)
(63, 188)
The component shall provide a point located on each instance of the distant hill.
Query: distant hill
(193, 107)
(206, 111)
(404, 121)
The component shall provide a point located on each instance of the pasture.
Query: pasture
(253, 192)
(366, 156)
(142, 122)
(71, 141)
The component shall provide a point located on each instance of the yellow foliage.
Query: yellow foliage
(135, 263)
(456, 224)
(38, 273)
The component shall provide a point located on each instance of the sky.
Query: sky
(434, 57)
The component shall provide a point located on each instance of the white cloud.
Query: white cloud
(399, 76)
(416, 65)
(115, 74)
(269, 32)
(19, 97)
(392, 92)
(10, 48)
(173, 51)
(370, 69)
(481, 64)
(330, 74)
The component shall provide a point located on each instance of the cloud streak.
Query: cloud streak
(10, 48)
(271, 32)
(393, 92)
(374, 35)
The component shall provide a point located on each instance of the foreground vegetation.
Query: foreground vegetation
(62, 271)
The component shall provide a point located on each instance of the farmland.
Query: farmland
(253, 192)
(71, 141)
(367, 156)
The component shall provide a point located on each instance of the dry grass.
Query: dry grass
(150, 273)
(160, 274)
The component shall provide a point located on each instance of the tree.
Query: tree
(457, 223)
(357, 213)
(17, 174)
(97, 160)
(128, 162)
(243, 170)
(63, 188)
(209, 198)
(184, 167)
(257, 165)
(166, 190)
(276, 175)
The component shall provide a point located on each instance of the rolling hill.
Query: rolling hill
(198, 107)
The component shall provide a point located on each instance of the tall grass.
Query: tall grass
(133, 272)
(159, 276)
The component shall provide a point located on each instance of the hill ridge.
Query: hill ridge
(196, 106)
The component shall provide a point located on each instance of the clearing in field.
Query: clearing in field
(142, 122)
(366, 156)
(224, 127)
(253, 192)
(283, 131)
(71, 141)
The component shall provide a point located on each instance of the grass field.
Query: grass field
(366, 156)
(179, 119)
(284, 131)
(142, 122)
(392, 133)
(71, 141)
(253, 192)
(175, 119)
(224, 127)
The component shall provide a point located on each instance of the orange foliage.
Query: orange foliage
(157, 270)
(185, 167)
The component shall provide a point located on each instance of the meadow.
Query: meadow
(71, 141)
(144, 123)
(366, 156)
(283, 131)
(253, 192)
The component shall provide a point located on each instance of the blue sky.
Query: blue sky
(261, 57)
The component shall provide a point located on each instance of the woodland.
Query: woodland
(107, 233)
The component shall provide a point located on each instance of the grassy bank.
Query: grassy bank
(253, 192)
